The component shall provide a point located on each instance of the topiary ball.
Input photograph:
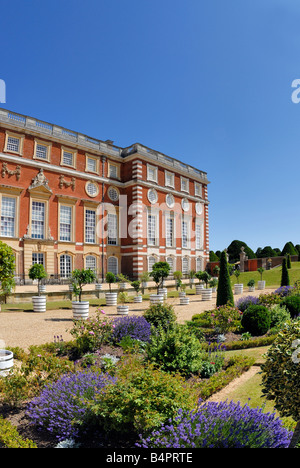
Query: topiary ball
(256, 320)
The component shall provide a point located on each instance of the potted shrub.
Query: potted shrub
(79, 279)
(160, 272)
(261, 284)
(238, 287)
(206, 292)
(123, 280)
(111, 297)
(183, 298)
(182, 290)
(177, 276)
(213, 284)
(123, 308)
(144, 278)
(251, 285)
(192, 277)
(137, 287)
(37, 272)
(200, 286)
(98, 284)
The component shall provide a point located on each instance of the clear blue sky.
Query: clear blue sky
(208, 82)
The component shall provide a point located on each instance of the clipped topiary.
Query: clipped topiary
(256, 320)
(285, 280)
(224, 292)
(292, 303)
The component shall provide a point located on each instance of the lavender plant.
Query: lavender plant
(220, 425)
(244, 302)
(61, 403)
(136, 327)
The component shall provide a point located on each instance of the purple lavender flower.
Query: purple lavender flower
(60, 403)
(284, 291)
(220, 425)
(244, 302)
(136, 327)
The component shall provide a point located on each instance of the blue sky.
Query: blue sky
(207, 82)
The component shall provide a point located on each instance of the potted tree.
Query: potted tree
(122, 280)
(111, 297)
(206, 292)
(177, 276)
(137, 287)
(200, 286)
(251, 285)
(144, 278)
(98, 284)
(160, 272)
(238, 287)
(213, 284)
(79, 279)
(192, 277)
(261, 284)
(123, 308)
(182, 289)
(37, 272)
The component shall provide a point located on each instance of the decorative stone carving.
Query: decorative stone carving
(40, 181)
(16, 172)
(63, 183)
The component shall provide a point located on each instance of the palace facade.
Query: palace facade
(71, 201)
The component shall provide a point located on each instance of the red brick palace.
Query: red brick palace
(71, 201)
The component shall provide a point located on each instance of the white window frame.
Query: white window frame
(198, 189)
(112, 229)
(198, 236)
(38, 258)
(152, 230)
(88, 259)
(74, 156)
(38, 222)
(152, 172)
(61, 209)
(15, 136)
(95, 160)
(48, 146)
(117, 171)
(9, 218)
(154, 258)
(185, 270)
(66, 258)
(170, 230)
(171, 182)
(184, 235)
(115, 268)
(88, 239)
(184, 184)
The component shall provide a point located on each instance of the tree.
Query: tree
(80, 278)
(234, 250)
(288, 261)
(160, 271)
(224, 292)
(289, 248)
(37, 272)
(7, 270)
(203, 276)
(110, 279)
(281, 376)
(285, 281)
(213, 257)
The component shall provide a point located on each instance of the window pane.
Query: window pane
(169, 232)
(113, 171)
(91, 263)
(65, 223)
(38, 220)
(112, 229)
(185, 266)
(41, 151)
(68, 158)
(65, 266)
(184, 234)
(13, 144)
(91, 165)
(198, 236)
(90, 226)
(151, 229)
(112, 265)
(8, 214)
(151, 262)
(38, 258)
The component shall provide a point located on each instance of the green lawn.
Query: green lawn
(272, 277)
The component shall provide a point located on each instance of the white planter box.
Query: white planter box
(206, 294)
(42, 288)
(138, 299)
(122, 309)
(238, 288)
(111, 298)
(80, 310)
(98, 286)
(199, 288)
(261, 285)
(156, 298)
(6, 362)
(251, 288)
(184, 300)
(39, 303)
(163, 291)
(182, 294)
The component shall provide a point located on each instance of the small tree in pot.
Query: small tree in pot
(111, 297)
(160, 272)
(137, 287)
(79, 279)
(37, 272)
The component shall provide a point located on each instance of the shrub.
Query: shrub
(224, 292)
(292, 303)
(279, 315)
(176, 349)
(142, 398)
(61, 404)
(269, 299)
(10, 438)
(136, 327)
(284, 291)
(160, 315)
(220, 425)
(225, 318)
(256, 320)
(285, 280)
(244, 302)
(81, 278)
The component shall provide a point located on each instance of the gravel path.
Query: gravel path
(22, 328)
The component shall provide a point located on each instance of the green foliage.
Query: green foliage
(110, 279)
(256, 320)
(123, 297)
(281, 371)
(289, 248)
(234, 250)
(203, 276)
(80, 278)
(279, 315)
(285, 281)
(251, 283)
(288, 261)
(160, 315)
(37, 272)
(213, 257)
(224, 292)
(10, 438)
(292, 303)
(136, 286)
(176, 350)
(224, 318)
(142, 398)
(160, 271)
(260, 271)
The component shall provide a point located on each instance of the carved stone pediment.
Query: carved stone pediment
(40, 183)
